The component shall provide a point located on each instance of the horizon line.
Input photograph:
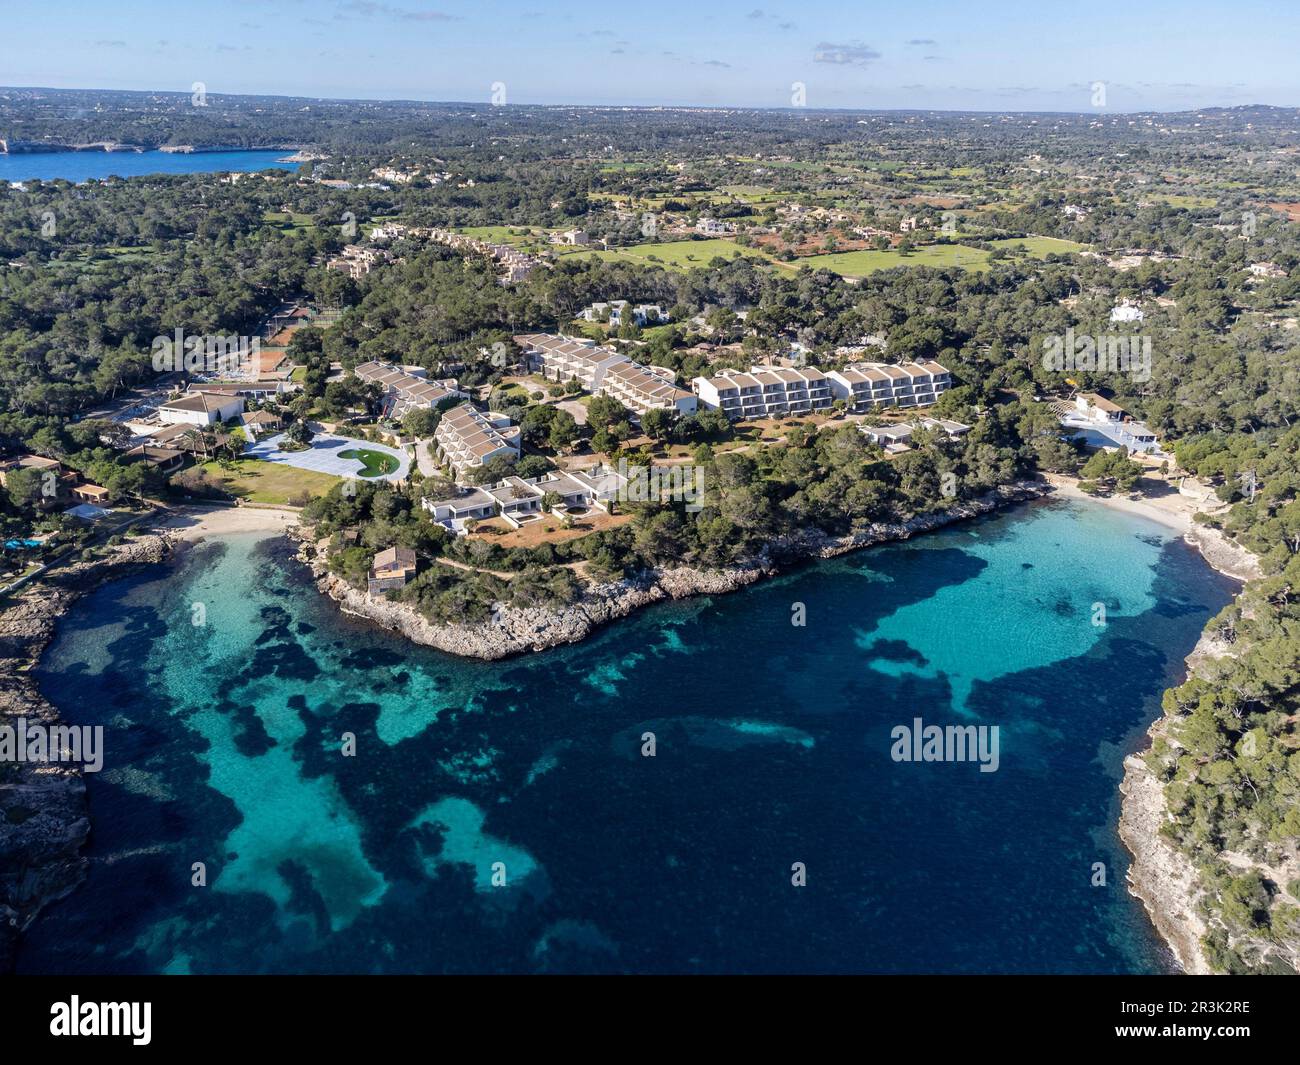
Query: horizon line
(487, 104)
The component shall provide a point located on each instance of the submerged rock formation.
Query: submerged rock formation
(43, 814)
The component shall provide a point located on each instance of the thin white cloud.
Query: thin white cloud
(856, 54)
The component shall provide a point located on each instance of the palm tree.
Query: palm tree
(198, 438)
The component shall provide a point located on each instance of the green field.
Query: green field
(679, 254)
(861, 263)
(1178, 199)
(516, 236)
(1039, 247)
(102, 256)
(288, 221)
(268, 482)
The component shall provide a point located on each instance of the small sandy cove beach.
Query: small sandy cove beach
(193, 523)
(1162, 500)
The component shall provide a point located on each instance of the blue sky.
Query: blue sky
(996, 55)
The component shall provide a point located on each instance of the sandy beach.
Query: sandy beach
(197, 523)
(1161, 501)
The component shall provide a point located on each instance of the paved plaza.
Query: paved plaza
(323, 456)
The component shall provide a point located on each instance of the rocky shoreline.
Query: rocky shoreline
(1160, 875)
(518, 631)
(44, 820)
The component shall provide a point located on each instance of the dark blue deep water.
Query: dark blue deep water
(82, 166)
(773, 740)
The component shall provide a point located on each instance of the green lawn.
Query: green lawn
(861, 263)
(268, 482)
(515, 391)
(1040, 247)
(530, 237)
(286, 220)
(679, 254)
(375, 463)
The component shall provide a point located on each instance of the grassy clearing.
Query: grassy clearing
(268, 482)
(1178, 199)
(516, 236)
(97, 257)
(287, 221)
(680, 254)
(861, 263)
(1039, 247)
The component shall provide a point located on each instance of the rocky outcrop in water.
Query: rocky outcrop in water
(515, 631)
(43, 815)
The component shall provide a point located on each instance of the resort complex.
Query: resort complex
(765, 392)
(518, 501)
(466, 437)
(871, 385)
(407, 388)
(603, 372)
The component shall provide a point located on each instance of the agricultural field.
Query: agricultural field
(1186, 201)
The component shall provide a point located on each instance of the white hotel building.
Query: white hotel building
(765, 392)
(604, 373)
(466, 437)
(869, 385)
(406, 390)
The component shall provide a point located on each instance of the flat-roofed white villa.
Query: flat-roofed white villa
(518, 501)
(1100, 422)
(869, 385)
(466, 437)
(897, 437)
(603, 372)
(765, 391)
(407, 389)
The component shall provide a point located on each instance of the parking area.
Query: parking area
(323, 456)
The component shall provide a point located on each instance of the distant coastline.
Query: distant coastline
(16, 147)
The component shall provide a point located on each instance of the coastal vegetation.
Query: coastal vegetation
(1231, 766)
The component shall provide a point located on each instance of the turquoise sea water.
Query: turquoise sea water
(82, 166)
(502, 817)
